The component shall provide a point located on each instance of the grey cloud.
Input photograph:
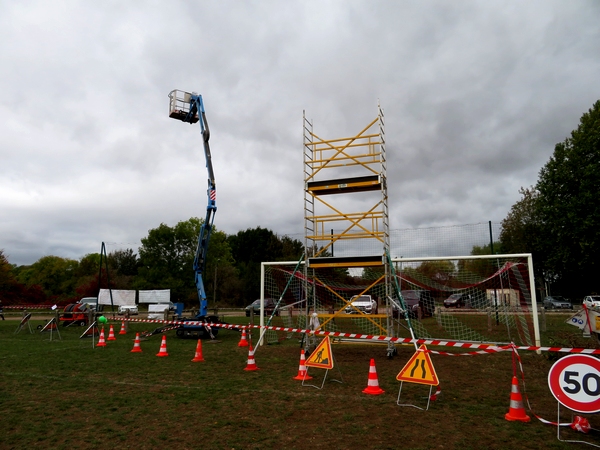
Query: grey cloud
(475, 96)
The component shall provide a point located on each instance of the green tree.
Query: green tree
(521, 228)
(253, 246)
(12, 292)
(557, 220)
(89, 265)
(124, 262)
(167, 255)
(569, 210)
(56, 276)
(9, 286)
(440, 272)
(479, 268)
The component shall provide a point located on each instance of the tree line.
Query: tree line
(557, 220)
(163, 261)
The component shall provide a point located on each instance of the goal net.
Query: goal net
(483, 299)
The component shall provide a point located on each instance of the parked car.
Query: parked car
(269, 307)
(362, 303)
(92, 303)
(557, 302)
(171, 305)
(458, 301)
(416, 300)
(591, 301)
(132, 310)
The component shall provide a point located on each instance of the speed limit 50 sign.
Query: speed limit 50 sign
(575, 382)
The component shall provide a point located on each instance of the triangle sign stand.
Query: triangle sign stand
(92, 331)
(419, 369)
(24, 320)
(321, 358)
(51, 326)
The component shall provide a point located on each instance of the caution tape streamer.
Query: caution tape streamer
(479, 349)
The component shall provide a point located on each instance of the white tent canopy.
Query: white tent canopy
(119, 297)
(155, 296)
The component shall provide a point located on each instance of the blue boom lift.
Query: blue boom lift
(188, 107)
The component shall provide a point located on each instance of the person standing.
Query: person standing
(1, 310)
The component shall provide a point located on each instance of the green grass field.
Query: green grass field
(69, 394)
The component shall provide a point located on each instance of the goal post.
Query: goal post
(502, 286)
(478, 298)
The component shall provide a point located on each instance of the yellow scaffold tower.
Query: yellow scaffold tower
(346, 220)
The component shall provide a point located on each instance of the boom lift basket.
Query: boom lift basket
(179, 105)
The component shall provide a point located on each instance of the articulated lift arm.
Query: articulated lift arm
(190, 108)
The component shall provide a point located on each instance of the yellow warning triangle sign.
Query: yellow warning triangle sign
(321, 357)
(419, 369)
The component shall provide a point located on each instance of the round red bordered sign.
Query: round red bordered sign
(574, 380)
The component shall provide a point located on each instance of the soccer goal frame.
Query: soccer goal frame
(526, 301)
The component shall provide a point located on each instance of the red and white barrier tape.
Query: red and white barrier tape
(480, 349)
(28, 307)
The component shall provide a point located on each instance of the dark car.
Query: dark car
(418, 303)
(557, 302)
(458, 301)
(255, 305)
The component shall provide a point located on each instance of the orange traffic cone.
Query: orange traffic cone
(101, 341)
(163, 347)
(198, 357)
(111, 334)
(373, 383)
(136, 344)
(516, 410)
(243, 342)
(302, 372)
(251, 363)
(123, 328)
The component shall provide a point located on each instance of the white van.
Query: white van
(131, 309)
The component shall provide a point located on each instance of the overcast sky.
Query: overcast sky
(475, 93)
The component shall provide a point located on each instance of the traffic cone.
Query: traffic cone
(101, 341)
(163, 347)
(123, 328)
(243, 342)
(302, 372)
(373, 383)
(516, 410)
(136, 344)
(251, 363)
(111, 334)
(198, 357)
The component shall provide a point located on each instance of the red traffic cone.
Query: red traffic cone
(111, 334)
(373, 383)
(243, 341)
(163, 347)
(198, 357)
(136, 344)
(101, 341)
(516, 410)
(251, 363)
(302, 372)
(123, 328)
